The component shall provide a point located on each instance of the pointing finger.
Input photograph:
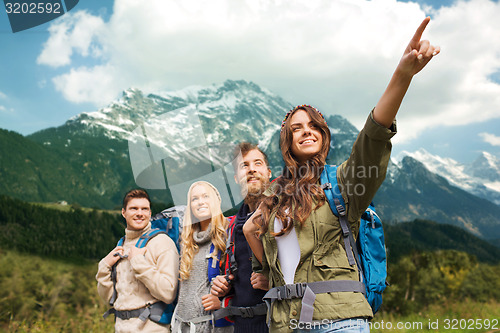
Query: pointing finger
(420, 30)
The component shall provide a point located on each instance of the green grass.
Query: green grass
(464, 316)
(47, 295)
(90, 322)
(38, 294)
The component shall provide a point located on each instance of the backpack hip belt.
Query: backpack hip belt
(242, 311)
(151, 311)
(308, 291)
(192, 322)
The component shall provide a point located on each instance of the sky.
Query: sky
(336, 55)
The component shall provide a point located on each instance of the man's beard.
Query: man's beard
(255, 190)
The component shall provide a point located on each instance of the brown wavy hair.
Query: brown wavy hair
(218, 227)
(296, 191)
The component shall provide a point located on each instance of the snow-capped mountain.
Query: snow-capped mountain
(176, 136)
(164, 139)
(183, 128)
(222, 109)
(481, 178)
(412, 192)
(487, 167)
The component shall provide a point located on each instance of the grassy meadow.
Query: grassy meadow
(48, 295)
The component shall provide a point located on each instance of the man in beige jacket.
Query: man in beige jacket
(145, 275)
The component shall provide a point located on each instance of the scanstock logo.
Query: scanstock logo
(26, 14)
(172, 151)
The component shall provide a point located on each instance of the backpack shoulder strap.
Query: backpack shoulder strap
(330, 186)
(231, 265)
(121, 241)
(230, 229)
(213, 262)
(145, 238)
(113, 274)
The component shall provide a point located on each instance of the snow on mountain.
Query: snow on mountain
(486, 166)
(228, 112)
(481, 178)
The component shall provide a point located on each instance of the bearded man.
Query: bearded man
(253, 175)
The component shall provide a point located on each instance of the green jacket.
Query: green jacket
(322, 253)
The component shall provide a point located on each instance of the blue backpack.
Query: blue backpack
(167, 222)
(369, 249)
(214, 270)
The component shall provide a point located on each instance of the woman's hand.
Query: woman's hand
(418, 53)
(250, 228)
(210, 302)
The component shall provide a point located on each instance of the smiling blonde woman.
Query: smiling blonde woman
(203, 226)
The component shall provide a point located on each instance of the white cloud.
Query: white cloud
(456, 89)
(2, 95)
(490, 138)
(74, 32)
(98, 84)
(336, 55)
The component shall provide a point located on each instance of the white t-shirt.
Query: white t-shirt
(288, 252)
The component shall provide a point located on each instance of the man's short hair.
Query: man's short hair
(244, 148)
(135, 194)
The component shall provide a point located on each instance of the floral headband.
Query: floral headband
(299, 107)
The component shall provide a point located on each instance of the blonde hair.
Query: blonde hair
(191, 223)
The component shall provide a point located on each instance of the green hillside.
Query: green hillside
(77, 233)
(422, 235)
(31, 170)
(58, 164)
(100, 167)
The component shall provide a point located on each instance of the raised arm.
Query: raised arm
(416, 55)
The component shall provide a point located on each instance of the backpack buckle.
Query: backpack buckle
(295, 290)
(372, 219)
(124, 315)
(301, 289)
(247, 312)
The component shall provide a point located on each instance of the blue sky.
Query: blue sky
(28, 100)
(336, 55)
